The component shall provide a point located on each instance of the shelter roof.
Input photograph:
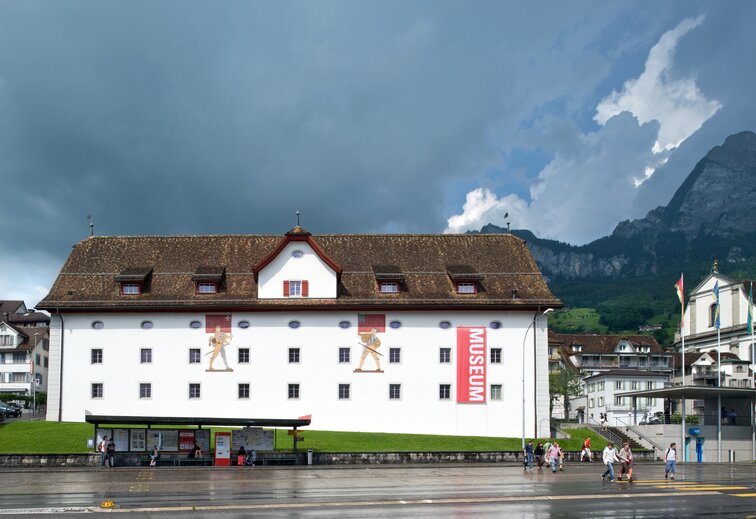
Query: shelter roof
(207, 421)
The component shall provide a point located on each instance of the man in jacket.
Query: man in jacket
(609, 456)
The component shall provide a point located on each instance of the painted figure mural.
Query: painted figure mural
(220, 327)
(369, 325)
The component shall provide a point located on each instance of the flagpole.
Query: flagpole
(682, 367)
(717, 324)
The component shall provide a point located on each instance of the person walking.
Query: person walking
(539, 453)
(670, 459)
(626, 459)
(528, 460)
(609, 456)
(553, 456)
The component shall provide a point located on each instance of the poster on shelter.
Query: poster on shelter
(138, 440)
(252, 438)
(121, 439)
(202, 436)
(154, 439)
(186, 440)
(471, 365)
(368, 328)
(219, 328)
(170, 440)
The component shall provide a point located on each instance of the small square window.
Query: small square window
(649, 385)
(495, 391)
(344, 391)
(195, 357)
(207, 288)
(243, 391)
(495, 355)
(467, 288)
(617, 384)
(395, 391)
(345, 355)
(295, 288)
(293, 391)
(395, 355)
(38, 359)
(145, 390)
(444, 355)
(293, 355)
(146, 356)
(96, 356)
(97, 390)
(194, 390)
(131, 289)
(243, 355)
(618, 400)
(444, 391)
(389, 287)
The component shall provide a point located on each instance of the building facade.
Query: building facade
(384, 333)
(24, 349)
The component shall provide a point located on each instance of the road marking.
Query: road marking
(744, 495)
(347, 504)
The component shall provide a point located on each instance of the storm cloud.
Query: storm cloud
(227, 117)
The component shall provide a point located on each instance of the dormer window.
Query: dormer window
(467, 288)
(207, 288)
(296, 288)
(388, 287)
(208, 279)
(134, 281)
(131, 289)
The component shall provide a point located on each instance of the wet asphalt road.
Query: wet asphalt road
(458, 491)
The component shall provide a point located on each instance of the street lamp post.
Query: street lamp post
(524, 339)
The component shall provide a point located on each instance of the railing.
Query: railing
(592, 424)
(640, 438)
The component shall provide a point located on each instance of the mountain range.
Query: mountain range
(712, 215)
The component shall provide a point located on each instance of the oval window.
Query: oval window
(444, 325)
(294, 324)
(297, 254)
(195, 324)
(395, 325)
(98, 325)
(243, 325)
(146, 325)
(495, 325)
(344, 325)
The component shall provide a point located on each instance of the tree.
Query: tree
(564, 383)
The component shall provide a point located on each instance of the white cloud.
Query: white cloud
(27, 277)
(676, 103)
(483, 206)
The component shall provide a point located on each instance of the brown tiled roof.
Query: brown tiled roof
(388, 272)
(87, 278)
(595, 344)
(30, 336)
(135, 274)
(9, 306)
(208, 274)
(31, 317)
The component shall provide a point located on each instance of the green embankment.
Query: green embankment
(37, 437)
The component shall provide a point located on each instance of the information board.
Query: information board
(169, 440)
(121, 439)
(222, 449)
(138, 440)
(252, 438)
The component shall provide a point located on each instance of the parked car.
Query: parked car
(10, 410)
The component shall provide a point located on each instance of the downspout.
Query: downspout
(60, 383)
(535, 379)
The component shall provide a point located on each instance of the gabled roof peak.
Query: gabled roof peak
(299, 231)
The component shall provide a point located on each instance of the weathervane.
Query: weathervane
(91, 224)
(297, 218)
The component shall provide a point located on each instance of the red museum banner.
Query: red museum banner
(471, 365)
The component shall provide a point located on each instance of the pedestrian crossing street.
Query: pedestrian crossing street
(693, 486)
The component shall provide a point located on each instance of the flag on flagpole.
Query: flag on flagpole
(681, 296)
(749, 324)
(716, 310)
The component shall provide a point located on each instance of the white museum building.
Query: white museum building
(436, 334)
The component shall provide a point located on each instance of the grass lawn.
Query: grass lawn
(38, 437)
(576, 320)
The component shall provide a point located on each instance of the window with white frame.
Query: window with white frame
(633, 384)
(194, 390)
(592, 402)
(617, 384)
(395, 391)
(293, 355)
(145, 356)
(467, 288)
(388, 287)
(601, 401)
(395, 355)
(444, 391)
(293, 391)
(207, 288)
(619, 400)
(344, 391)
(95, 356)
(145, 390)
(243, 355)
(295, 288)
(495, 355)
(650, 385)
(601, 386)
(345, 355)
(195, 357)
(496, 392)
(131, 289)
(96, 390)
(444, 355)
(243, 391)
(591, 387)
